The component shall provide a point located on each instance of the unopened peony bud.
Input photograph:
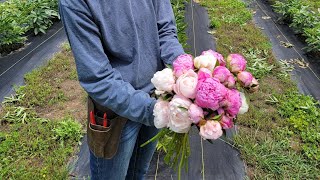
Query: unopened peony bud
(236, 63)
(245, 78)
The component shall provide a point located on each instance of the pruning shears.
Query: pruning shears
(93, 120)
(105, 120)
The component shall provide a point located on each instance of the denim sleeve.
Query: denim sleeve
(99, 79)
(170, 48)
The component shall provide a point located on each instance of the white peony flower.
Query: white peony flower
(163, 80)
(205, 61)
(179, 120)
(244, 105)
(161, 114)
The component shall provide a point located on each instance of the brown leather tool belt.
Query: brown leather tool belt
(103, 130)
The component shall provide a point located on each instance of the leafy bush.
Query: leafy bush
(302, 19)
(313, 37)
(13, 24)
(20, 16)
(42, 14)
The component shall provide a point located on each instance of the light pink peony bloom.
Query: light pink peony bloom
(236, 63)
(182, 64)
(232, 102)
(179, 119)
(211, 130)
(244, 105)
(163, 80)
(230, 83)
(221, 73)
(209, 93)
(217, 55)
(245, 78)
(186, 84)
(161, 114)
(205, 61)
(226, 122)
(195, 113)
(204, 73)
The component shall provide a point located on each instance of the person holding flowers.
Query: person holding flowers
(118, 46)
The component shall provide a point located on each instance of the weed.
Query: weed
(257, 63)
(30, 151)
(68, 129)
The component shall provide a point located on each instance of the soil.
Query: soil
(74, 106)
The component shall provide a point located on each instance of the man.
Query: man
(118, 45)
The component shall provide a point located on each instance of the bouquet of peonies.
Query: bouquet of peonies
(205, 92)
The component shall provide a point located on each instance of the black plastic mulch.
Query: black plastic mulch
(40, 49)
(307, 78)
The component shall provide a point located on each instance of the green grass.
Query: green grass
(279, 136)
(31, 146)
(43, 84)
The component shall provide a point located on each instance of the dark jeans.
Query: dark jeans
(131, 161)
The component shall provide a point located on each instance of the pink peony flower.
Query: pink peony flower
(230, 83)
(204, 73)
(221, 73)
(163, 80)
(220, 111)
(182, 64)
(236, 63)
(179, 119)
(205, 61)
(245, 78)
(209, 93)
(186, 84)
(232, 102)
(195, 113)
(211, 130)
(161, 114)
(216, 55)
(226, 122)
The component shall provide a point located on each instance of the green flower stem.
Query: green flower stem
(183, 155)
(159, 135)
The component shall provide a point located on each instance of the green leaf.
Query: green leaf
(217, 118)
(183, 108)
(169, 66)
(42, 30)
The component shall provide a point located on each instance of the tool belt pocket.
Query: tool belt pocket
(103, 141)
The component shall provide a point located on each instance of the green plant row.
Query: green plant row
(178, 7)
(20, 16)
(314, 4)
(302, 19)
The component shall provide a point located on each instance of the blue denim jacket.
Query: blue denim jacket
(118, 45)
